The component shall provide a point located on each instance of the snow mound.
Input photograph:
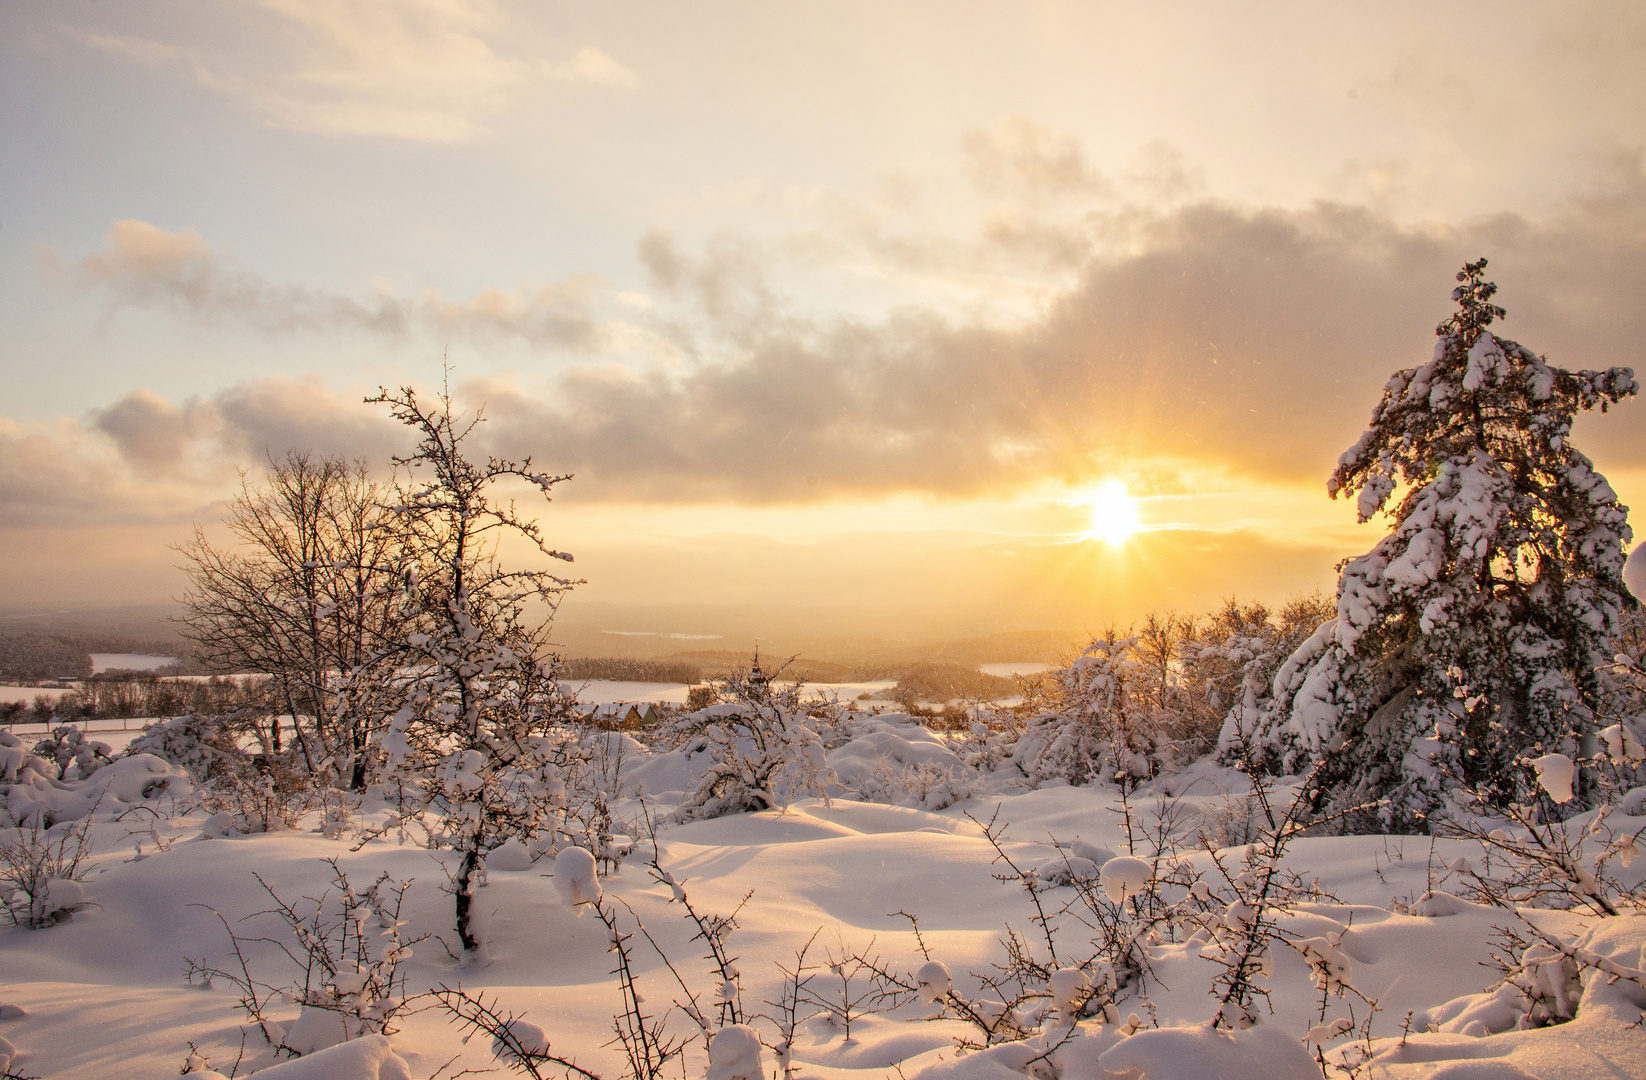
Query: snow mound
(1124, 876)
(119, 785)
(1195, 1053)
(574, 877)
(1437, 905)
(510, 855)
(734, 1054)
(368, 1058)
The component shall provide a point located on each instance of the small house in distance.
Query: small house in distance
(619, 715)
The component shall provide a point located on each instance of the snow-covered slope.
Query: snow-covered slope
(105, 993)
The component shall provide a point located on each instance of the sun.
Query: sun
(1114, 513)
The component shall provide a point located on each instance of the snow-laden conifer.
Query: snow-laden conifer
(1468, 637)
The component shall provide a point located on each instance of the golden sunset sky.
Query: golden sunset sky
(844, 310)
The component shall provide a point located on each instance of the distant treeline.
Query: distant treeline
(105, 698)
(945, 681)
(623, 669)
(33, 656)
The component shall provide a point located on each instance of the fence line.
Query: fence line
(106, 723)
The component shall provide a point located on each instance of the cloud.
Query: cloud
(1247, 342)
(150, 432)
(424, 70)
(145, 460)
(64, 475)
(590, 65)
(1255, 341)
(1020, 155)
(147, 266)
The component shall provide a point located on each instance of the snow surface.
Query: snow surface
(1006, 671)
(105, 995)
(610, 691)
(111, 661)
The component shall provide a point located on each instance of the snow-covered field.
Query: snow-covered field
(101, 662)
(105, 993)
(1006, 671)
(602, 691)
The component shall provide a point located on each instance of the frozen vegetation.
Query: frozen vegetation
(1394, 834)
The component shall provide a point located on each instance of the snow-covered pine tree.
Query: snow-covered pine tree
(1470, 635)
(476, 747)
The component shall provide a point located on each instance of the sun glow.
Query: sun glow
(1114, 513)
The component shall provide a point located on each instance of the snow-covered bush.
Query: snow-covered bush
(260, 793)
(1549, 978)
(1236, 653)
(1535, 855)
(206, 746)
(763, 745)
(1470, 635)
(256, 792)
(475, 754)
(345, 946)
(31, 793)
(891, 759)
(40, 871)
(1114, 714)
(68, 746)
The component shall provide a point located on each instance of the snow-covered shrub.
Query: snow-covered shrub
(1100, 922)
(263, 794)
(891, 759)
(207, 747)
(68, 746)
(763, 745)
(40, 871)
(475, 754)
(1236, 653)
(991, 738)
(1470, 635)
(1114, 714)
(520, 1045)
(922, 786)
(1537, 856)
(257, 792)
(1548, 978)
(345, 946)
(31, 794)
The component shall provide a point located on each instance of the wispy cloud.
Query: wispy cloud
(147, 266)
(426, 70)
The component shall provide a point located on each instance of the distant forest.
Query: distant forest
(32, 656)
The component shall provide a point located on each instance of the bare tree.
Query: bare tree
(307, 596)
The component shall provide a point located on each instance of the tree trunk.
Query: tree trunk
(467, 871)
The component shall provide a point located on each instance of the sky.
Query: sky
(846, 311)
